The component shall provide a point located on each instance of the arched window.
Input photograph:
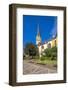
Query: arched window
(49, 45)
(42, 47)
(55, 42)
(39, 44)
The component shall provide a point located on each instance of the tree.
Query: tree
(31, 49)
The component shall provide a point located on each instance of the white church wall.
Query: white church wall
(45, 46)
(39, 50)
(42, 49)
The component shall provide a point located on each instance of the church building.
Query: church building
(42, 46)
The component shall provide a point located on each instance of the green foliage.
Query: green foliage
(51, 53)
(31, 49)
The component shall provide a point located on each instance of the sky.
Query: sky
(47, 28)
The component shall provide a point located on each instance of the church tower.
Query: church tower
(38, 37)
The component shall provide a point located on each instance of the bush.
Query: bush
(48, 52)
(51, 53)
(53, 58)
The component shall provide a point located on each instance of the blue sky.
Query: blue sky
(47, 28)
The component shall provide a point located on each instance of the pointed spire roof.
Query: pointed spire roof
(38, 37)
(38, 33)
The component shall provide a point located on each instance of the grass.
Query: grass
(48, 62)
(44, 60)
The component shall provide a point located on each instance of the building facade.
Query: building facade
(42, 46)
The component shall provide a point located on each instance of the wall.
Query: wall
(4, 44)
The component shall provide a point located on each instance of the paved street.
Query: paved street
(33, 68)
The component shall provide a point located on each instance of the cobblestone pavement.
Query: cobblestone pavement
(33, 68)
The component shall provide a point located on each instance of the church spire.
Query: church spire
(38, 37)
(38, 33)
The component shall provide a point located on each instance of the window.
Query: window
(55, 42)
(42, 47)
(49, 45)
